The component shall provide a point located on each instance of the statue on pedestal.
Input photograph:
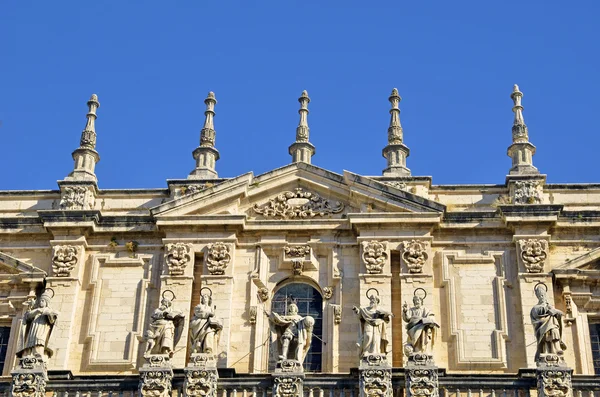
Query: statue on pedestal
(165, 328)
(421, 325)
(36, 328)
(372, 336)
(205, 329)
(294, 333)
(547, 323)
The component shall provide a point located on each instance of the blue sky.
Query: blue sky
(152, 63)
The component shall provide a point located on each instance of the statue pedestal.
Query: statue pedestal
(375, 376)
(29, 379)
(201, 376)
(288, 379)
(156, 376)
(421, 376)
(553, 376)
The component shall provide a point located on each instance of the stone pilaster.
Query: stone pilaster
(29, 378)
(201, 376)
(288, 379)
(156, 377)
(375, 377)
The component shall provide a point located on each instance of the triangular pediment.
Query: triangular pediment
(297, 191)
(589, 261)
(11, 266)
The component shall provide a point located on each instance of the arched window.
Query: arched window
(310, 303)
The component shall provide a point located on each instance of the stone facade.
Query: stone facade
(476, 251)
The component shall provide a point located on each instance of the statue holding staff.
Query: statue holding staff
(372, 336)
(37, 326)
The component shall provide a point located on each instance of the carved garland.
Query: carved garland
(374, 255)
(177, 258)
(298, 204)
(218, 258)
(534, 254)
(64, 259)
(297, 251)
(415, 255)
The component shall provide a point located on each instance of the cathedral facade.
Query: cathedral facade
(302, 281)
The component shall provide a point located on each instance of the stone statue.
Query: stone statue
(547, 324)
(205, 329)
(165, 328)
(293, 331)
(420, 325)
(372, 336)
(36, 329)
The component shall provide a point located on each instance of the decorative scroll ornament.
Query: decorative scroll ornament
(25, 384)
(77, 198)
(376, 382)
(554, 383)
(327, 293)
(534, 254)
(297, 251)
(337, 313)
(374, 256)
(287, 386)
(415, 255)
(422, 382)
(177, 258)
(527, 192)
(64, 259)
(156, 383)
(218, 258)
(200, 383)
(299, 204)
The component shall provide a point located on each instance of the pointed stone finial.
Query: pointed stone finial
(206, 155)
(521, 151)
(302, 150)
(395, 152)
(85, 156)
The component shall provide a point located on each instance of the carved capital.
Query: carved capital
(218, 258)
(375, 256)
(533, 254)
(177, 256)
(64, 259)
(414, 254)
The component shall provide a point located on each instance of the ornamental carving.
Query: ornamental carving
(397, 185)
(28, 384)
(77, 198)
(218, 258)
(287, 386)
(534, 254)
(337, 313)
(297, 251)
(554, 383)
(298, 204)
(374, 255)
(177, 257)
(252, 314)
(415, 255)
(64, 259)
(376, 382)
(297, 267)
(527, 192)
(327, 293)
(263, 294)
(187, 190)
(200, 383)
(422, 382)
(156, 383)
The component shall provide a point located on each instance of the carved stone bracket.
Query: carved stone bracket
(64, 259)
(156, 382)
(421, 381)
(177, 257)
(375, 382)
(201, 376)
(337, 313)
(218, 258)
(414, 255)
(375, 256)
(554, 382)
(29, 378)
(298, 204)
(533, 254)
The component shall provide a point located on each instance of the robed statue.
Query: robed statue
(372, 335)
(166, 327)
(205, 328)
(294, 333)
(36, 328)
(547, 324)
(421, 325)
